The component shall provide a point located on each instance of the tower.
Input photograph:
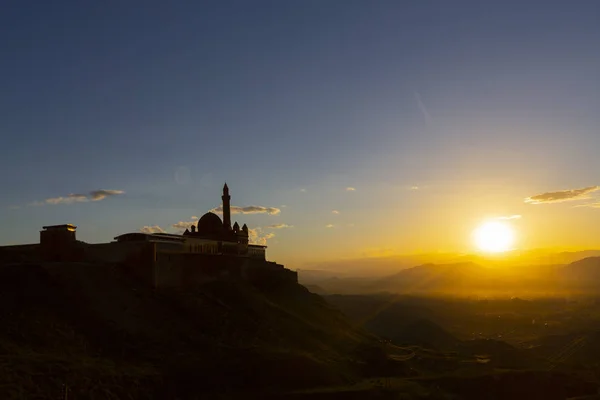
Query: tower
(226, 208)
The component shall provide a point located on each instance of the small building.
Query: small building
(58, 242)
(58, 233)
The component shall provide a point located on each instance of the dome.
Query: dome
(210, 223)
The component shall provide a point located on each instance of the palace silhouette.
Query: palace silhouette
(210, 249)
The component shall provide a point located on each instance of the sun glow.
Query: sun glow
(494, 237)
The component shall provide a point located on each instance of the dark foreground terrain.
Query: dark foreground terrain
(81, 331)
(497, 348)
(93, 331)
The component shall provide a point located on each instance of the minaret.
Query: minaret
(226, 208)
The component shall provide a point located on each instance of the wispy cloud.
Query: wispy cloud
(414, 188)
(278, 226)
(562, 195)
(329, 226)
(94, 195)
(249, 210)
(589, 205)
(303, 190)
(350, 189)
(257, 236)
(183, 225)
(424, 111)
(509, 217)
(152, 229)
(335, 212)
(68, 199)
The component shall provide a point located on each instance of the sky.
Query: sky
(343, 128)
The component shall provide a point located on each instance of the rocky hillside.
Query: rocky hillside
(95, 332)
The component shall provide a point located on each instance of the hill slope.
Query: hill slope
(583, 274)
(93, 329)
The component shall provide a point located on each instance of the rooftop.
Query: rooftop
(149, 236)
(169, 235)
(69, 227)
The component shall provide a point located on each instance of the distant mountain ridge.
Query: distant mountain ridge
(584, 272)
(470, 277)
(384, 266)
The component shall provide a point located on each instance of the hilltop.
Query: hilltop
(95, 330)
(99, 332)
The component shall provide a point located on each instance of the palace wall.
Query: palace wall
(23, 253)
(112, 253)
(161, 263)
(173, 269)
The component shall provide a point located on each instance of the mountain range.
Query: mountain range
(581, 276)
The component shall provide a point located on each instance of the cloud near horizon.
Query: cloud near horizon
(509, 217)
(152, 229)
(183, 225)
(257, 236)
(589, 205)
(562, 195)
(94, 195)
(350, 189)
(335, 212)
(248, 210)
(278, 226)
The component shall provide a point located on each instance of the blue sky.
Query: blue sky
(480, 104)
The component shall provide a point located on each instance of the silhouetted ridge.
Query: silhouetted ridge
(423, 332)
(430, 277)
(584, 272)
(91, 326)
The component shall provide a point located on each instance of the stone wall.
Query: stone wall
(174, 269)
(112, 253)
(141, 263)
(24, 253)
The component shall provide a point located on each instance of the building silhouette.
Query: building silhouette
(209, 235)
(210, 249)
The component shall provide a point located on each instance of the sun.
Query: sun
(494, 237)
